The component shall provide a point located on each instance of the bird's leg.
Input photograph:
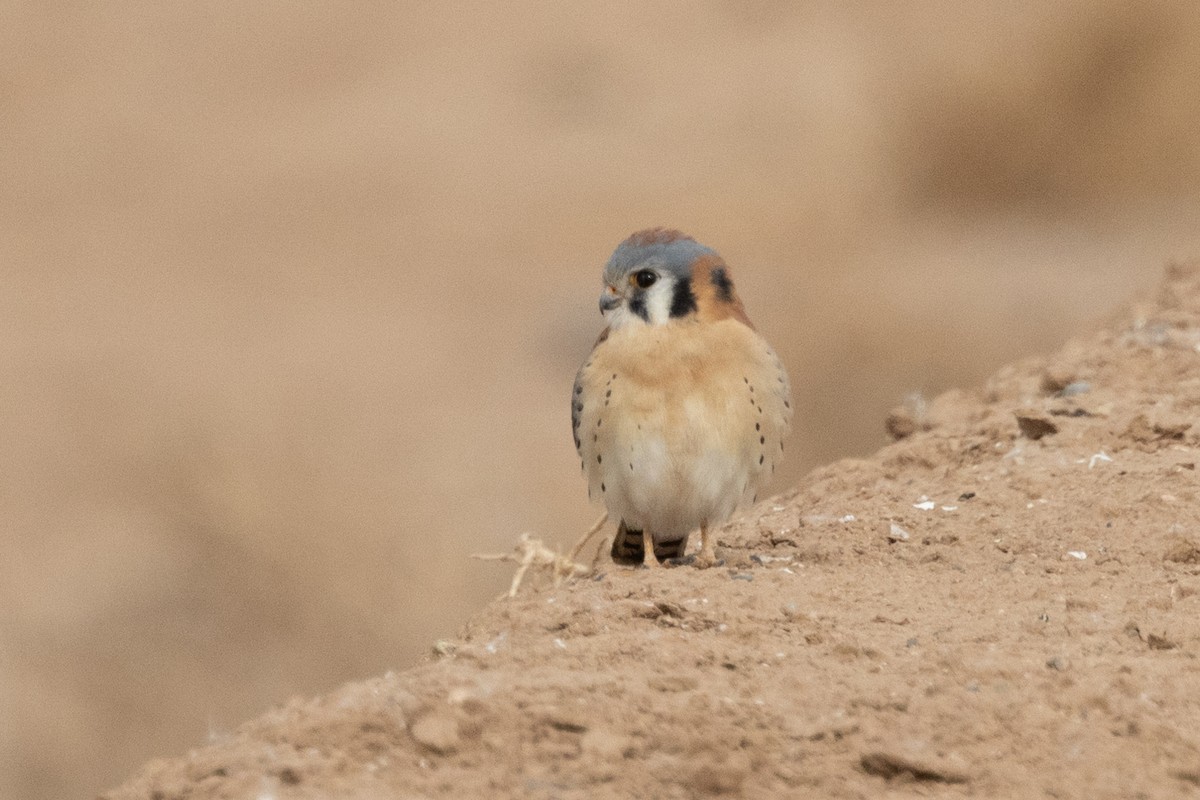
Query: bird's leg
(707, 557)
(649, 560)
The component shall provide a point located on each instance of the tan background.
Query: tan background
(291, 297)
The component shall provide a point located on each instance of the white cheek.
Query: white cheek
(658, 302)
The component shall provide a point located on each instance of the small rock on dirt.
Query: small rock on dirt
(1035, 424)
(437, 732)
(1057, 377)
(899, 423)
(891, 765)
(1182, 551)
(1157, 642)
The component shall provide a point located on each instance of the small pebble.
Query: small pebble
(437, 732)
(1034, 424)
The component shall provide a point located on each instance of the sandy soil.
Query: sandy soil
(1004, 602)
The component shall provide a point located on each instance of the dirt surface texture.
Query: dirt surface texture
(1003, 602)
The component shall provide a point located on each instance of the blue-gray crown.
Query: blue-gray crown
(668, 250)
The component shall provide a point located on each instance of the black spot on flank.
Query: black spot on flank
(720, 279)
(746, 381)
(614, 377)
(578, 390)
(631, 467)
(787, 404)
(599, 459)
(637, 304)
(599, 422)
(608, 393)
(683, 302)
(603, 488)
(758, 426)
(760, 460)
(762, 440)
(751, 388)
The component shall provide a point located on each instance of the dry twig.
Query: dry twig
(530, 552)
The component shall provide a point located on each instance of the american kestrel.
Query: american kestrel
(681, 409)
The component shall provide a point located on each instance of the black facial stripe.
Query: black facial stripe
(637, 305)
(683, 302)
(720, 279)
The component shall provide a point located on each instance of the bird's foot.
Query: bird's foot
(649, 559)
(706, 560)
(707, 557)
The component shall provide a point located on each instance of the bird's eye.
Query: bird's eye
(644, 278)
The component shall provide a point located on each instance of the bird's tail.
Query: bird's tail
(627, 547)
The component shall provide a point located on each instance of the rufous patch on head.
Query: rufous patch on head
(716, 299)
(658, 236)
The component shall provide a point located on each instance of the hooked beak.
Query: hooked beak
(610, 298)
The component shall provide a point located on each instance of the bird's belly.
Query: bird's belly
(675, 470)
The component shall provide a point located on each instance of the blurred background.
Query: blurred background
(292, 295)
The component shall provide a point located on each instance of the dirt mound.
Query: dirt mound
(1004, 602)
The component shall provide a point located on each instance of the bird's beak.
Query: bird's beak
(610, 298)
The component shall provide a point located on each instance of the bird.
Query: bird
(681, 409)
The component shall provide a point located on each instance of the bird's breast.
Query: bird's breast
(678, 422)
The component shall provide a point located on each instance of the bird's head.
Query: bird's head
(659, 276)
